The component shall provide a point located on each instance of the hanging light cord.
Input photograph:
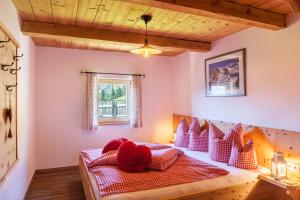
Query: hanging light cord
(146, 39)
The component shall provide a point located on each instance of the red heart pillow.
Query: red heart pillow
(113, 144)
(132, 157)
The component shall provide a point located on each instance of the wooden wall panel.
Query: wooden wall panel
(266, 140)
(8, 101)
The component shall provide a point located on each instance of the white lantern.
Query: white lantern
(279, 166)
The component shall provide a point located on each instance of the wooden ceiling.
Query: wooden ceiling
(176, 27)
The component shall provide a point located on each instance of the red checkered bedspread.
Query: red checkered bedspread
(111, 180)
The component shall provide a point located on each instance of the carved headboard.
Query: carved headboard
(266, 140)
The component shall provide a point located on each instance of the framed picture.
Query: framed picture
(225, 75)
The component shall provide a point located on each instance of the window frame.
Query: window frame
(115, 120)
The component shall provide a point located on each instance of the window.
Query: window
(113, 101)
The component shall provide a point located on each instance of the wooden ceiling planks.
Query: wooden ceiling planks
(124, 16)
(279, 6)
(64, 11)
(42, 10)
(223, 10)
(86, 12)
(24, 9)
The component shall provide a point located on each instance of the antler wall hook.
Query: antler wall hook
(5, 67)
(4, 41)
(10, 87)
(16, 57)
(14, 71)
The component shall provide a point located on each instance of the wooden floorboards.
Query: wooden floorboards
(61, 183)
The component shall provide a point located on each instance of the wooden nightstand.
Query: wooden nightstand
(291, 187)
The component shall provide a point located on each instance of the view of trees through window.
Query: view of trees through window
(112, 100)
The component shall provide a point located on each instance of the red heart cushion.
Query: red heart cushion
(132, 157)
(113, 144)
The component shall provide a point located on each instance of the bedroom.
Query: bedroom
(50, 48)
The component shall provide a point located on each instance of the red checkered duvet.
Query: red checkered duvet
(161, 160)
(111, 180)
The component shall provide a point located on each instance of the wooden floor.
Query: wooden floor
(61, 183)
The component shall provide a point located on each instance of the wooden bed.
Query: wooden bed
(256, 190)
(86, 182)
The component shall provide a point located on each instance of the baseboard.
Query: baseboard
(57, 169)
(29, 186)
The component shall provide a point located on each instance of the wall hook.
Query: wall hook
(10, 87)
(4, 41)
(16, 57)
(14, 71)
(5, 67)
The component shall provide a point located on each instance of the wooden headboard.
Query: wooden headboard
(266, 140)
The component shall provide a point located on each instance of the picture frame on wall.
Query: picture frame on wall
(225, 75)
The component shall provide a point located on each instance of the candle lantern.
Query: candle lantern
(279, 166)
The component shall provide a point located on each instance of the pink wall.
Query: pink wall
(60, 94)
(182, 84)
(16, 182)
(273, 69)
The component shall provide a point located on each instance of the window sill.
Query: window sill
(114, 123)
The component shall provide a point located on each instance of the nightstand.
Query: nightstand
(291, 187)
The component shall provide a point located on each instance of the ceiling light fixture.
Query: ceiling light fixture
(146, 50)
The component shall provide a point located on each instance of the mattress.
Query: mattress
(236, 176)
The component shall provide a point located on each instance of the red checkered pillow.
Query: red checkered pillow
(243, 156)
(220, 144)
(182, 136)
(198, 137)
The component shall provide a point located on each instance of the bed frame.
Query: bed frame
(86, 182)
(255, 190)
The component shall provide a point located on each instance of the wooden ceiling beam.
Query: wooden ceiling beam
(294, 5)
(223, 10)
(38, 29)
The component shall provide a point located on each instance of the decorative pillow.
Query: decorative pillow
(182, 136)
(243, 157)
(113, 144)
(198, 137)
(132, 157)
(219, 147)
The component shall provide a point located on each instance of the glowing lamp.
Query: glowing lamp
(279, 166)
(146, 50)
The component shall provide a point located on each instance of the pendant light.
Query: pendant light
(146, 50)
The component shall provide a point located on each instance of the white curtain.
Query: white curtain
(90, 118)
(136, 102)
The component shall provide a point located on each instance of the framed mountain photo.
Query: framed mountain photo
(225, 75)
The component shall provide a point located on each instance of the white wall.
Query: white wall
(16, 182)
(60, 94)
(273, 80)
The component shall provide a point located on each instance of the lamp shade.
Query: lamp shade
(146, 50)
